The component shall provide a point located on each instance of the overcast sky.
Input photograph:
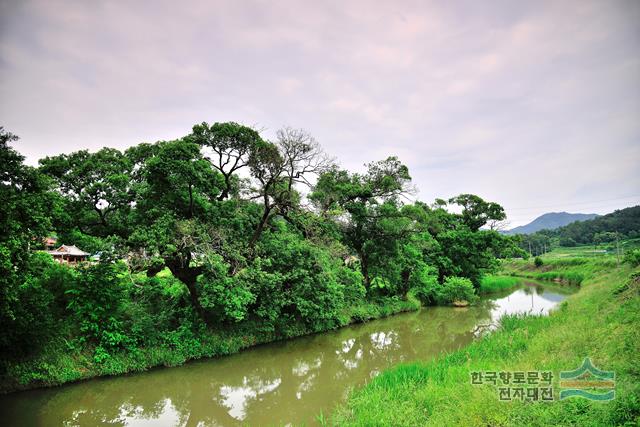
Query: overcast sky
(532, 104)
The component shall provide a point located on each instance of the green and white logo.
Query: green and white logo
(589, 382)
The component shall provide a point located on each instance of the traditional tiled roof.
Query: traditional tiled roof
(69, 250)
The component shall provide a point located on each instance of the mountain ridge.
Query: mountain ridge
(550, 221)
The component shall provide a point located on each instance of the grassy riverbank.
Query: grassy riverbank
(492, 283)
(602, 322)
(61, 362)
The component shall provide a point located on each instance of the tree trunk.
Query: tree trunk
(364, 267)
(298, 227)
(225, 191)
(190, 201)
(260, 228)
(188, 275)
(406, 275)
(154, 269)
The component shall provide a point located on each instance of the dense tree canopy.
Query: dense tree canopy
(224, 229)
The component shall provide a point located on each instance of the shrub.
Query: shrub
(537, 261)
(456, 289)
(35, 307)
(633, 257)
(96, 298)
(353, 283)
(227, 297)
(424, 285)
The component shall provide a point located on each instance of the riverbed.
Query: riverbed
(282, 383)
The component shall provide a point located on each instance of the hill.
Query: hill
(550, 221)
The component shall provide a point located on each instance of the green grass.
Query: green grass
(572, 271)
(602, 321)
(594, 251)
(497, 283)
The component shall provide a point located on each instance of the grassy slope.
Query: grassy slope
(600, 321)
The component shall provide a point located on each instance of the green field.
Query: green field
(600, 321)
(594, 251)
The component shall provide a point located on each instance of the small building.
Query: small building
(50, 243)
(69, 254)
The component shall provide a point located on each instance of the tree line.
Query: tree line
(617, 225)
(223, 229)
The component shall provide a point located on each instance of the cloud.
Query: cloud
(524, 104)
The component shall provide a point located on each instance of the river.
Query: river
(281, 383)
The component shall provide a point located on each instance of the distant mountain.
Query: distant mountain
(550, 221)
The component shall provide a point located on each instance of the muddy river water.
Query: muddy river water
(282, 383)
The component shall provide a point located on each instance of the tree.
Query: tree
(365, 205)
(180, 180)
(461, 248)
(96, 188)
(175, 198)
(24, 222)
(279, 168)
(266, 166)
(232, 147)
(476, 212)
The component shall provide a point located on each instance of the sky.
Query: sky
(531, 104)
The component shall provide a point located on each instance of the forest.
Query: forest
(603, 230)
(214, 242)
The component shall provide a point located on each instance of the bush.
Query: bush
(36, 306)
(353, 284)
(632, 257)
(295, 280)
(569, 277)
(424, 285)
(456, 289)
(537, 261)
(226, 297)
(96, 299)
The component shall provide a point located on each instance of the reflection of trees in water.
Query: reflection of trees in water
(281, 382)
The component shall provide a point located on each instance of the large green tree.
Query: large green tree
(96, 189)
(367, 207)
(24, 222)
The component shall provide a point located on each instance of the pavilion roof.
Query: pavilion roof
(69, 250)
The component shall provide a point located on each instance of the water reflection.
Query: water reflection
(287, 382)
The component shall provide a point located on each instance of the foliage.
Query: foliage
(439, 392)
(212, 234)
(537, 261)
(97, 300)
(618, 225)
(24, 221)
(227, 298)
(632, 257)
(455, 289)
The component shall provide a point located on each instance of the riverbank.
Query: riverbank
(601, 322)
(496, 283)
(59, 363)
